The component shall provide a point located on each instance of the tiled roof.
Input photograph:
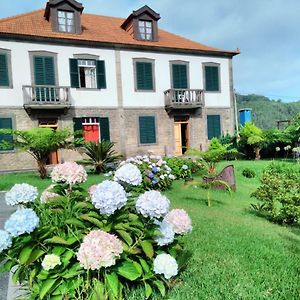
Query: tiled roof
(99, 29)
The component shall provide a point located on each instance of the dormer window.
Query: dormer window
(64, 15)
(66, 21)
(145, 30)
(142, 24)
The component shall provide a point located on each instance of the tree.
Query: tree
(100, 154)
(252, 136)
(39, 142)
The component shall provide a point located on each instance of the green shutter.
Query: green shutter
(44, 71)
(101, 77)
(212, 78)
(179, 74)
(147, 130)
(4, 79)
(6, 123)
(104, 129)
(77, 127)
(144, 76)
(213, 126)
(74, 75)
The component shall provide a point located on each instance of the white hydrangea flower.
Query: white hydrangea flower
(166, 265)
(172, 177)
(21, 194)
(47, 194)
(152, 204)
(50, 261)
(130, 174)
(108, 197)
(167, 234)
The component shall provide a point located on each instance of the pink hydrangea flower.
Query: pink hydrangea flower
(69, 172)
(47, 194)
(179, 220)
(99, 249)
(92, 189)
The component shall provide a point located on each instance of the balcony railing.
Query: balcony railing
(46, 97)
(183, 99)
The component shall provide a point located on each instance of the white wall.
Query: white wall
(108, 97)
(163, 79)
(79, 97)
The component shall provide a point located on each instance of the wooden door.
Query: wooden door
(91, 133)
(178, 139)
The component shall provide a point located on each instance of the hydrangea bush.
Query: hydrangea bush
(97, 244)
(155, 172)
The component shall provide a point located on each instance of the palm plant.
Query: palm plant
(100, 154)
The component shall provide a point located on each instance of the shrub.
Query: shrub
(248, 173)
(70, 247)
(280, 192)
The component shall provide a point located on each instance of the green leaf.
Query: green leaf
(6, 266)
(32, 276)
(147, 248)
(25, 254)
(144, 265)
(43, 275)
(58, 250)
(16, 274)
(92, 220)
(66, 257)
(129, 271)
(71, 240)
(46, 287)
(75, 222)
(75, 270)
(35, 255)
(98, 291)
(148, 290)
(161, 287)
(87, 205)
(113, 283)
(56, 240)
(125, 236)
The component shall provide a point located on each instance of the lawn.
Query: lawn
(236, 254)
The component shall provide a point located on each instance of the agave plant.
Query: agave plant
(100, 155)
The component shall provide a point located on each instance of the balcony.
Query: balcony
(46, 97)
(183, 99)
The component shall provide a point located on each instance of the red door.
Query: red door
(91, 133)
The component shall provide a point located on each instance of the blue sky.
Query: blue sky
(266, 31)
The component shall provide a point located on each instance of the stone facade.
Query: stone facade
(126, 137)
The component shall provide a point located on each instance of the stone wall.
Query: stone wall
(124, 131)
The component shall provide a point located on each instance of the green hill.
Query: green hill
(266, 112)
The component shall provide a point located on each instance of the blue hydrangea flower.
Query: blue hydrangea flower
(21, 194)
(150, 175)
(24, 220)
(154, 181)
(184, 167)
(154, 170)
(5, 240)
(167, 234)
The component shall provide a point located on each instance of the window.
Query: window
(87, 73)
(213, 126)
(179, 76)
(147, 130)
(145, 30)
(6, 123)
(91, 129)
(144, 79)
(66, 21)
(5, 69)
(211, 78)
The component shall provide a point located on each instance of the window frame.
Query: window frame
(138, 130)
(13, 121)
(144, 60)
(7, 53)
(95, 75)
(144, 27)
(32, 54)
(65, 19)
(220, 118)
(211, 64)
(180, 62)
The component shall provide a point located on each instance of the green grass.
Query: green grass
(236, 254)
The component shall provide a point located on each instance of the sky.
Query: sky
(267, 32)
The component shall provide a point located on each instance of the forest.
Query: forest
(266, 112)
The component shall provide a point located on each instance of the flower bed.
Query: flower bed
(91, 245)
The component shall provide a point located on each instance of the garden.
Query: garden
(153, 228)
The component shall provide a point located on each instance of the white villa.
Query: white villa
(123, 80)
